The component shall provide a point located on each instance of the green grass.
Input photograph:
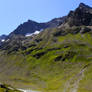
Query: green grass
(44, 73)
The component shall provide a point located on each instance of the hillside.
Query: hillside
(58, 59)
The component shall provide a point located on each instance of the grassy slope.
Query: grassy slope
(50, 68)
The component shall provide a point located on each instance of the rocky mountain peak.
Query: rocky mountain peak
(80, 16)
(82, 5)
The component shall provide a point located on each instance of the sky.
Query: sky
(15, 12)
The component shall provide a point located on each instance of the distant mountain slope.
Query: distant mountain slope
(32, 26)
(2, 38)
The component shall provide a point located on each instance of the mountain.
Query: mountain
(81, 16)
(57, 59)
(32, 26)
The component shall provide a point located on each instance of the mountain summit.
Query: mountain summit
(80, 16)
(84, 5)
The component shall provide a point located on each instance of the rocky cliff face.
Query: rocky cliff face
(81, 16)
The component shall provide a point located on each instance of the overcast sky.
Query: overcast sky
(15, 12)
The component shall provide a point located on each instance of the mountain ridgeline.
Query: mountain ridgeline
(57, 59)
(31, 26)
(81, 16)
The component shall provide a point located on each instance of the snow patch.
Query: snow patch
(30, 34)
(2, 40)
(36, 32)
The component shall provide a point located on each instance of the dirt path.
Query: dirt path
(73, 84)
